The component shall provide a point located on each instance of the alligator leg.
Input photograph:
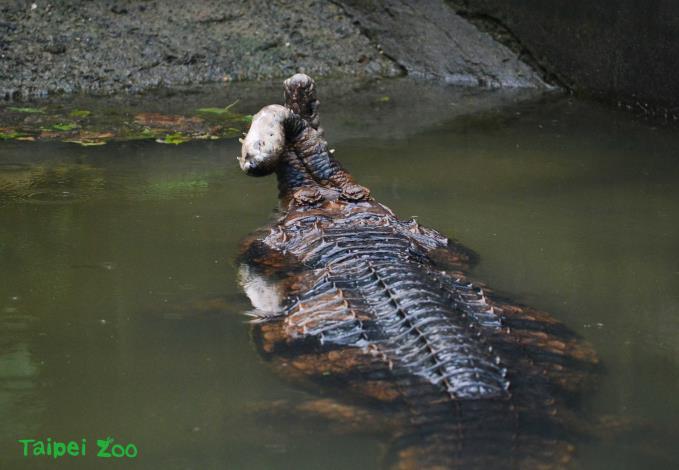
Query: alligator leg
(295, 184)
(202, 307)
(333, 415)
(454, 257)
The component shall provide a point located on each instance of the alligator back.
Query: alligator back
(361, 307)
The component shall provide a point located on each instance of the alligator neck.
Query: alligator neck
(283, 141)
(306, 162)
(291, 171)
(292, 175)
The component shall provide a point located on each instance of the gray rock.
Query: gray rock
(69, 46)
(429, 40)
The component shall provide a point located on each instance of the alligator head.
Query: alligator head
(287, 140)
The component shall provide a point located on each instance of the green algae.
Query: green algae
(226, 113)
(80, 113)
(10, 135)
(68, 126)
(26, 110)
(175, 138)
(90, 128)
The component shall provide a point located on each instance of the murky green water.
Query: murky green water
(573, 208)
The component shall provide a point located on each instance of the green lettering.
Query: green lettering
(39, 448)
(118, 451)
(84, 447)
(103, 447)
(72, 449)
(131, 451)
(25, 442)
(59, 450)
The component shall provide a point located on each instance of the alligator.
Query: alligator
(379, 311)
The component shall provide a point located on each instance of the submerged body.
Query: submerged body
(378, 309)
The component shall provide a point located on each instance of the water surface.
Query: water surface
(110, 257)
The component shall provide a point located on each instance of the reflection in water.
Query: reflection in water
(20, 404)
(49, 183)
(573, 209)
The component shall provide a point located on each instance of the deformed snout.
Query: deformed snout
(264, 142)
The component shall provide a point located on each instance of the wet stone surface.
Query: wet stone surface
(114, 46)
(118, 46)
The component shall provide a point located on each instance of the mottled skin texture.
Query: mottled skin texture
(299, 93)
(378, 311)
